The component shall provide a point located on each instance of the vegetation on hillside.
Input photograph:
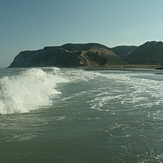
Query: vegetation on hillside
(148, 53)
(91, 54)
(122, 51)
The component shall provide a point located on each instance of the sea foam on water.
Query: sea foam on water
(30, 90)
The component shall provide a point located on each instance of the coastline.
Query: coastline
(113, 67)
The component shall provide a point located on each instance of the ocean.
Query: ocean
(52, 115)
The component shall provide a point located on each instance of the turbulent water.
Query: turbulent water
(52, 115)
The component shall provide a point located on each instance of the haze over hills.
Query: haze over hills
(91, 54)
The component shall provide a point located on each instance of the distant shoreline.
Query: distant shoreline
(121, 67)
(111, 67)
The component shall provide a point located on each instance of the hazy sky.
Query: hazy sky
(33, 24)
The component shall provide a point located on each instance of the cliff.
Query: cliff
(68, 55)
(91, 54)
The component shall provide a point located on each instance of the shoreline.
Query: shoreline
(113, 67)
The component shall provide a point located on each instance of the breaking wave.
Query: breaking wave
(30, 90)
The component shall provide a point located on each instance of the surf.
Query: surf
(31, 89)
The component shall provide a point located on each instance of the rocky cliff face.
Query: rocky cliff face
(68, 55)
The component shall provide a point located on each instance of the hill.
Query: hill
(148, 53)
(91, 54)
(122, 51)
(68, 55)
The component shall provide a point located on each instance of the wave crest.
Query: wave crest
(30, 90)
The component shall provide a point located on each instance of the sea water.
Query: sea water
(57, 115)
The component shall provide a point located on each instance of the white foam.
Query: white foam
(30, 90)
(126, 89)
(121, 88)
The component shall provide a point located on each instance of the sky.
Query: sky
(34, 24)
